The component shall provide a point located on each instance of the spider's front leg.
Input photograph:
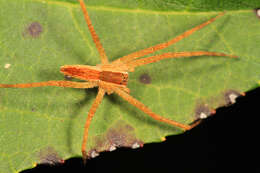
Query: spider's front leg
(143, 61)
(95, 38)
(152, 49)
(67, 84)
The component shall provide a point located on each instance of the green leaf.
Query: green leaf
(45, 125)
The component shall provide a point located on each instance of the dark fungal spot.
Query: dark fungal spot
(203, 111)
(123, 136)
(231, 95)
(33, 30)
(50, 156)
(145, 78)
(257, 12)
(119, 135)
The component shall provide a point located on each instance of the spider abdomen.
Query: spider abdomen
(119, 78)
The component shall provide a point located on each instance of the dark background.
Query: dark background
(225, 142)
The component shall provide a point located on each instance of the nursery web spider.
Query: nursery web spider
(112, 77)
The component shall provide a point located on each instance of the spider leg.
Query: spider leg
(52, 83)
(91, 114)
(156, 58)
(146, 110)
(109, 87)
(103, 56)
(132, 56)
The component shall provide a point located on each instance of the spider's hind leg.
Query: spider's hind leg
(91, 114)
(146, 110)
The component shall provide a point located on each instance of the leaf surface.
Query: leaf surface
(45, 125)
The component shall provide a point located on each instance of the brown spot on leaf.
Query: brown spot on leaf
(33, 30)
(120, 134)
(50, 156)
(231, 95)
(145, 78)
(202, 111)
(257, 12)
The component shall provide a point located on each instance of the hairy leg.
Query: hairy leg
(156, 58)
(91, 114)
(132, 56)
(103, 56)
(67, 84)
(146, 110)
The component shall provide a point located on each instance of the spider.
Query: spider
(112, 77)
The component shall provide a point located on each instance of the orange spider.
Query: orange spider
(113, 77)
